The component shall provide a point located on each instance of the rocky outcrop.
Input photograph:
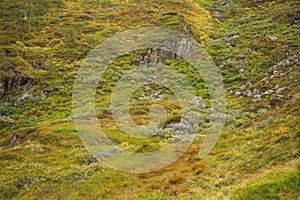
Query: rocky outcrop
(13, 81)
(152, 57)
(161, 54)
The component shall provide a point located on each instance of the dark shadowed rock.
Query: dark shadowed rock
(13, 81)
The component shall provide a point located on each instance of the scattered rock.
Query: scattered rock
(15, 140)
(24, 98)
(255, 92)
(217, 14)
(211, 110)
(248, 84)
(5, 121)
(246, 93)
(41, 150)
(198, 102)
(268, 92)
(183, 138)
(295, 18)
(272, 38)
(280, 90)
(235, 36)
(234, 112)
(277, 74)
(249, 93)
(43, 95)
(228, 44)
(237, 93)
(274, 67)
(183, 126)
(256, 98)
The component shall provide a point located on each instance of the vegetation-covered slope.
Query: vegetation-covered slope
(254, 43)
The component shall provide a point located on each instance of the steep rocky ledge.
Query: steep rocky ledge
(13, 81)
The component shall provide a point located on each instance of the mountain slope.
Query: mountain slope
(256, 46)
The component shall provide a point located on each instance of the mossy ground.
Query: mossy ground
(257, 156)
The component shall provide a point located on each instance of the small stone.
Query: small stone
(278, 74)
(249, 93)
(276, 87)
(244, 93)
(43, 96)
(235, 36)
(15, 140)
(237, 93)
(274, 67)
(256, 91)
(248, 84)
(234, 112)
(41, 150)
(273, 38)
(256, 98)
(229, 44)
(280, 90)
(268, 92)
(270, 106)
(211, 110)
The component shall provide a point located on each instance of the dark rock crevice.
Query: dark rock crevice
(13, 81)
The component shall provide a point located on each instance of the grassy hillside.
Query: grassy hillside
(255, 44)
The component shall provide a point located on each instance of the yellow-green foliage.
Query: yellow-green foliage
(41, 154)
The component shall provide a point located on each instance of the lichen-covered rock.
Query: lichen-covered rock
(199, 102)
